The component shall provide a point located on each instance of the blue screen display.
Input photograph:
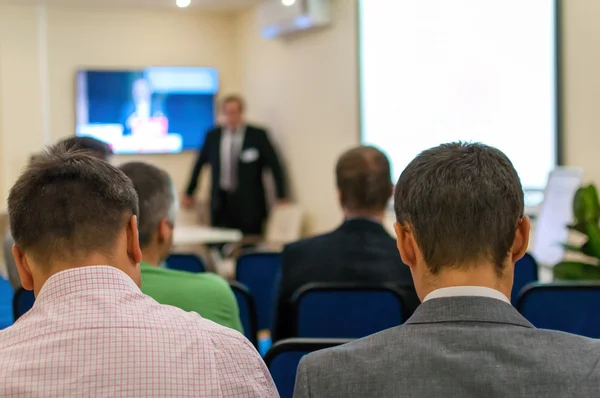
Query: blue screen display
(155, 110)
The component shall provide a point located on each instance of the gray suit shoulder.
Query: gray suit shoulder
(331, 372)
(390, 363)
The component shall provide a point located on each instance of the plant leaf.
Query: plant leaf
(572, 270)
(593, 234)
(579, 227)
(584, 249)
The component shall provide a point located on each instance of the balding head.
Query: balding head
(363, 180)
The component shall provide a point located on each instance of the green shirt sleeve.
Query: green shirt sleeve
(207, 294)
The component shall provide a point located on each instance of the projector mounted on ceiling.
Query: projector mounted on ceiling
(279, 18)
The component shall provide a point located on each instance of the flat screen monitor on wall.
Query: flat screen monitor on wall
(435, 71)
(155, 110)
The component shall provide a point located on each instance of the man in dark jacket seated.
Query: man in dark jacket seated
(360, 250)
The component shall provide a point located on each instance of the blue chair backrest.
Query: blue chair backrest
(247, 308)
(258, 272)
(186, 262)
(565, 306)
(22, 302)
(328, 310)
(283, 359)
(6, 295)
(526, 272)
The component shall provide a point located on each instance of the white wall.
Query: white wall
(40, 51)
(20, 100)
(581, 91)
(306, 90)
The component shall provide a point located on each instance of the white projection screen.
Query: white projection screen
(435, 71)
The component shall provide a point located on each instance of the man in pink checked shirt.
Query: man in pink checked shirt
(91, 332)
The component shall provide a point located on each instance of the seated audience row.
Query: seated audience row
(83, 227)
(461, 229)
(205, 293)
(360, 250)
(92, 332)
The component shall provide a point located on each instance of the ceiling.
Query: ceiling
(207, 4)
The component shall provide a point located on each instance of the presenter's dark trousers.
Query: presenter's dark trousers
(229, 214)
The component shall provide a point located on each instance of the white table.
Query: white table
(201, 235)
(196, 235)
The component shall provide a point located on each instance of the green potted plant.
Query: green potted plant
(586, 209)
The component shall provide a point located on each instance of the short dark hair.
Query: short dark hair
(235, 98)
(69, 204)
(157, 198)
(363, 179)
(96, 147)
(463, 202)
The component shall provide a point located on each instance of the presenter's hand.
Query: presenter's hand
(187, 202)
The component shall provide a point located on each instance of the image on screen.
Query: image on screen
(155, 110)
(435, 71)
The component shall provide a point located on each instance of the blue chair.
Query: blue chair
(566, 306)
(526, 272)
(346, 310)
(283, 359)
(22, 302)
(6, 295)
(258, 271)
(186, 262)
(247, 308)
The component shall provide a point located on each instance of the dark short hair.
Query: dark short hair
(463, 202)
(69, 204)
(96, 147)
(363, 179)
(157, 198)
(235, 98)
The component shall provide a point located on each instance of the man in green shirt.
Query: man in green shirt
(207, 294)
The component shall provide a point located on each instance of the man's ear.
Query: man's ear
(407, 246)
(521, 243)
(23, 267)
(164, 229)
(133, 241)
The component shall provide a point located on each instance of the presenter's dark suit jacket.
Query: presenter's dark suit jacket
(360, 250)
(250, 194)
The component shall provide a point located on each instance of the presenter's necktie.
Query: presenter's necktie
(234, 154)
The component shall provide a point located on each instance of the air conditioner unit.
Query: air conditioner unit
(278, 18)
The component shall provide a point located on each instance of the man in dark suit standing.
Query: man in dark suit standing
(238, 153)
(360, 250)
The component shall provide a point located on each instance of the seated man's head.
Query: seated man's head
(91, 146)
(364, 182)
(158, 208)
(70, 209)
(94, 147)
(459, 211)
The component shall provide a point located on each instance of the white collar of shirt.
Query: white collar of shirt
(240, 130)
(473, 291)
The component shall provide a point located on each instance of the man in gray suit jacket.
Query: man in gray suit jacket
(460, 228)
